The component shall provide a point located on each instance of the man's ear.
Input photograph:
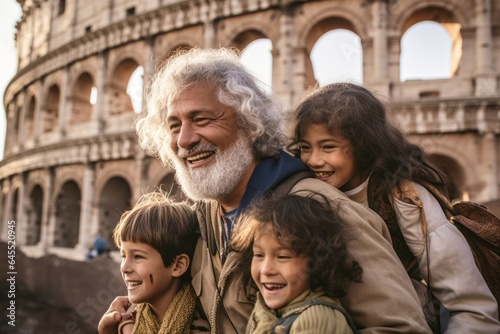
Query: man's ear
(180, 265)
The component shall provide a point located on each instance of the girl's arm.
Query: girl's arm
(454, 277)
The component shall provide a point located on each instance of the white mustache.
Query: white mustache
(184, 153)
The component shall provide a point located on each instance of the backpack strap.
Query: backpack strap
(286, 186)
(284, 325)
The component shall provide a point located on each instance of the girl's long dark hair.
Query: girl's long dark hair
(378, 147)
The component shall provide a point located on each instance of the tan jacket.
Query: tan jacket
(384, 302)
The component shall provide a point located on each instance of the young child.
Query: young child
(342, 133)
(156, 241)
(296, 255)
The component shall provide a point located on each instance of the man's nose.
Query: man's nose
(187, 136)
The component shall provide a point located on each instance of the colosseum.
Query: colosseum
(72, 164)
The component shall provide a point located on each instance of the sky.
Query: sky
(10, 13)
(337, 56)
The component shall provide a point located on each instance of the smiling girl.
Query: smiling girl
(296, 255)
(157, 240)
(342, 133)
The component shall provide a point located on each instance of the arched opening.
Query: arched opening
(170, 186)
(425, 52)
(431, 45)
(34, 216)
(51, 109)
(135, 88)
(119, 100)
(258, 59)
(29, 120)
(67, 215)
(114, 201)
(82, 98)
(455, 173)
(337, 56)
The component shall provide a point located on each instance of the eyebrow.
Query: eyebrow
(191, 114)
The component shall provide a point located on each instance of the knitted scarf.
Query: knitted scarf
(177, 319)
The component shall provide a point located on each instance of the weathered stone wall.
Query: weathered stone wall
(57, 295)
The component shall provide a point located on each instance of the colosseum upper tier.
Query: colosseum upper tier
(72, 164)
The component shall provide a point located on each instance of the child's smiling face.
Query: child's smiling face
(329, 157)
(280, 274)
(147, 279)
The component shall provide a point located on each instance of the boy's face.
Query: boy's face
(279, 273)
(329, 157)
(147, 279)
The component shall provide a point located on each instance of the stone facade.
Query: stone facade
(71, 167)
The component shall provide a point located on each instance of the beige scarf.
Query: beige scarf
(177, 319)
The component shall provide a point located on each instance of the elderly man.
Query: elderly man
(223, 135)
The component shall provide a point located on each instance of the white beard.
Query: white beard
(218, 180)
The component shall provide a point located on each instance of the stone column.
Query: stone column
(486, 84)
(489, 174)
(149, 67)
(21, 219)
(99, 109)
(6, 216)
(88, 226)
(284, 66)
(380, 78)
(47, 197)
(209, 35)
(38, 118)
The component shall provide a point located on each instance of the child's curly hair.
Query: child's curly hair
(311, 227)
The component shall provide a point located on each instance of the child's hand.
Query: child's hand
(127, 325)
(117, 312)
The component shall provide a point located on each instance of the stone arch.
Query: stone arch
(316, 30)
(437, 11)
(249, 28)
(80, 99)
(34, 215)
(243, 38)
(50, 109)
(330, 18)
(454, 171)
(169, 185)
(119, 101)
(447, 19)
(462, 169)
(67, 213)
(165, 45)
(114, 200)
(178, 47)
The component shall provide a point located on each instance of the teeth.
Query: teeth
(199, 156)
(274, 286)
(321, 175)
(134, 283)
